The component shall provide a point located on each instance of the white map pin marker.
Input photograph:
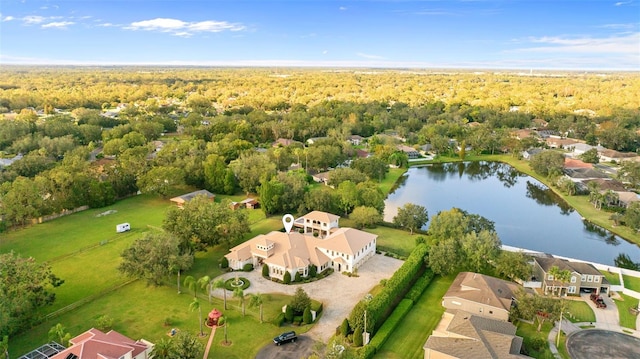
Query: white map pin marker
(287, 221)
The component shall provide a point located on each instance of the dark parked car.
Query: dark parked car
(285, 338)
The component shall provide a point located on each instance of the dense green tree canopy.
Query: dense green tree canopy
(25, 286)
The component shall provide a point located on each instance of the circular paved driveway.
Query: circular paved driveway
(338, 293)
(600, 344)
(301, 348)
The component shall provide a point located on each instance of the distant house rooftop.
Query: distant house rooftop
(181, 200)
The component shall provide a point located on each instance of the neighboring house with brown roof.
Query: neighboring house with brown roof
(607, 155)
(410, 151)
(463, 335)
(583, 276)
(95, 344)
(576, 163)
(556, 142)
(524, 133)
(181, 200)
(481, 295)
(322, 177)
(355, 140)
(362, 153)
(343, 249)
(625, 198)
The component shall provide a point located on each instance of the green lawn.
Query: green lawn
(408, 339)
(143, 313)
(632, 283)
(529, 334)
(390, 180)
(579, 312)
(627, 319)
(51, 240)
(394, 240)
(612, 278)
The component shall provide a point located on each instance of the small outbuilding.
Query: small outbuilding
(181, 200)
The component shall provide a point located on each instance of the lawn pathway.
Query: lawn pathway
(206, 350)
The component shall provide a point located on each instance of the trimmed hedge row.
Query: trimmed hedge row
(383, 303)
(420, 285)
(387, 328)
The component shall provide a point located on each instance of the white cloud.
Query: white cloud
(182, 28)
(8, 18)
(33, 19)
(325, 52)
(369, 56)
(618, 44)
(342, 8)
(620, 3)
(58, 24)
(106, 24)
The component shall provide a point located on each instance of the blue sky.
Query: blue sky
(542, 34)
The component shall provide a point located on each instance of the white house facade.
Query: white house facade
(343, 249)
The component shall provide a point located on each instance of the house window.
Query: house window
(584, 278)
(456, 303)
(590, 278)
(550, 277)
(573, 279)
(596, 279)
(572, 289)
(491, 312)
(347, 256)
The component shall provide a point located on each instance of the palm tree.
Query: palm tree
(195, 305)
(205, 284)
(256, 300)
(239, 293)
(562, 276)
(179, 263)
(191, 283)
(219, 283)
(161, 349)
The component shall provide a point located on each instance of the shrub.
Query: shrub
(265, 271)
(420, 240)
(306, 316)
(537, 343)
(313, 271)
(224, 262)
(420, 285)
(317, 307)
(288, 314)
(391, 323)
(297, 319)
(222, 320)
(104, 323)
(357, 337)
(297, 277)
(279, 320)
(344, 327)
(247, 267)
(287, 278)
(368, 352)
(300, 301)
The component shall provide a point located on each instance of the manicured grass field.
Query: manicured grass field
(627, 319)
(408, 339)
(612, 278)
(390, 180)
(632, 283)
(579, 312)
(69, 234)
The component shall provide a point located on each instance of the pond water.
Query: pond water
(526, 213)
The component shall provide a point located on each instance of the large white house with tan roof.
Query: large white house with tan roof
(343, 249)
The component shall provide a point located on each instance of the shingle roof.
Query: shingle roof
(189, 196)
(484, 289)
(475, 337)
(578, 267)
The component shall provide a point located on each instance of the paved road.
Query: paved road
(301, 348)
(338, 293)
(595, 343)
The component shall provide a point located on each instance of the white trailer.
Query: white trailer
(123, 227)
